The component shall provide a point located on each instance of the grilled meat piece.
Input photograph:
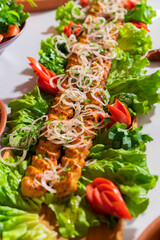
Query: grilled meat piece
(77, 156)
(74, 157)
(46, 149)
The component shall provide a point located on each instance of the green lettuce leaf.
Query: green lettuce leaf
(141, 13)
(118, 136)
(72, 220)
(17, 224)
(64, 15)
(23, 112)
(144, 87)
(10, 193)
(34, 101)
(50, 58)
(134, 40)
(75, 216)
(126, 65)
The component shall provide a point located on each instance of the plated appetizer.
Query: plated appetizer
(73, 144)
(12, 19)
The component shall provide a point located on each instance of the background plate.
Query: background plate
(41, 5)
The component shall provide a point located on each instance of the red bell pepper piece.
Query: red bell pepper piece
(84, 3)
(44, 76)
(70, 29)
(119, 113)
(105, 198)
(77, 29)
(130, 4)
(140, 25)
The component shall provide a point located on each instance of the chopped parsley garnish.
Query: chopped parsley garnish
(67, 170)
(49, 121)
(85, 137)
(88, 100)
(60, 126)
(40, 156)
(62, 177)
(58, 81)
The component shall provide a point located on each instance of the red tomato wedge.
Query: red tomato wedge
(140, 25)
(84, 3)
(98, 181)
(13, 30)
(89, 193)
(105, 198)
(99, 206)
(130, 4)
(120, 113)
(70, 29)
(44, 76)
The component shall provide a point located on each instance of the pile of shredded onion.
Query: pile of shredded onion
(90, 162)
(23, 146)
(83, 12)
(100, 31)
(65, 132)
(113, 9)
(52, 176)
(24, 154)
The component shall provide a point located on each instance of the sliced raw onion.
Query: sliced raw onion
(15, 163)
(90, 162)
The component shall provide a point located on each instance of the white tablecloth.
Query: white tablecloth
(17, 78)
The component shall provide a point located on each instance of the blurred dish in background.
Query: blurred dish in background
(152, 232)
(3, 117)
(154, 55)
(10, 40)
(41, 4)
(12, 21)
